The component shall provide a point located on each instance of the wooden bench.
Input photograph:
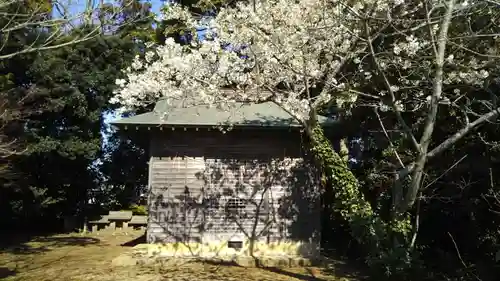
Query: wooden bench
(100, 223)
(119, 219)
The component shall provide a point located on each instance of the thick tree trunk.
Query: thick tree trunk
(366, 227)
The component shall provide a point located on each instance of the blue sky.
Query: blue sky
(75, 7)
(78, 6)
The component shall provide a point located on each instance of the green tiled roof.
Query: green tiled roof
(266, 114)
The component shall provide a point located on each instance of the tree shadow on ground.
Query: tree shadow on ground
(43, 244)
(139, 240)
(30, 263)
(299, 276)
(333, 269)
(347, 269)
(276, 270)
(6, 272)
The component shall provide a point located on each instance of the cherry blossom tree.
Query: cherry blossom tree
(394, 55)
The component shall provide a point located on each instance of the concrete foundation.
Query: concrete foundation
(279, 254)
(221, 249)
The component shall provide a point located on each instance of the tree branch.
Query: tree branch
(463, 132)
(406, 128)
(57, 27)
(430, 122)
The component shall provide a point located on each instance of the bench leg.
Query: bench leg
(112, 226)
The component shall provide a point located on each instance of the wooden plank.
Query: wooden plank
(138, 220)
(227, 163)
(103, 220)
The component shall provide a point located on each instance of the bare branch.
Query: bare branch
(460, 257)
(463, 132)
(391, 93)
(430, 122)
(393, 149)
(445, 172)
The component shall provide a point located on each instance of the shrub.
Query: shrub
(139, 210)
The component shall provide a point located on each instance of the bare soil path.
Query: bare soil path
(77, 257)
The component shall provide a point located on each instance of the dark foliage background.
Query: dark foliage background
(55, 163)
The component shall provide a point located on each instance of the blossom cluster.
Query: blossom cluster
(291, 52)
(285, 48)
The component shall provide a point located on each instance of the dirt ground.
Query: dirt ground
(88, 257)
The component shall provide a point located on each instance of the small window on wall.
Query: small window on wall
(237, 245)
(211, 205)
(235, 207)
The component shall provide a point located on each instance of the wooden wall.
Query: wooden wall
(207, 185)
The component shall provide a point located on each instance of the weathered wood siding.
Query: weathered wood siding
(206, 185)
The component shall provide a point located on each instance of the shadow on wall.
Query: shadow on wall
(252, 194)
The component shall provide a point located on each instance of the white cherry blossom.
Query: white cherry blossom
(298, 54)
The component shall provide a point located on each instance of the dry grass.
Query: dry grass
(78, 257)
